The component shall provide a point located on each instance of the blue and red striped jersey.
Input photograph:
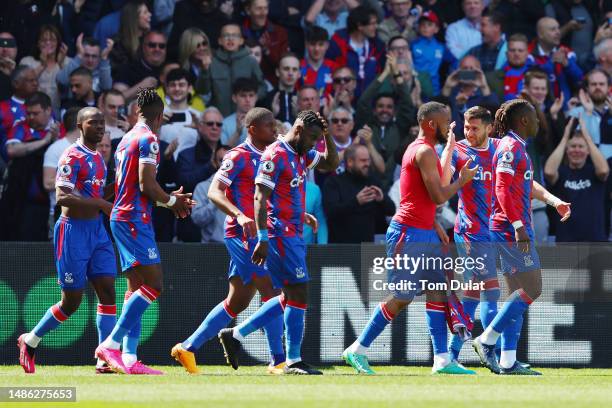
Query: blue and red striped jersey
(238, 171)
(512, 183)
(284, 171)
(82, 170)
(319, 78)
(11, 111)
(475, 197)
(139, 145)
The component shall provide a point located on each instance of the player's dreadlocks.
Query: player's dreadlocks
(149, 103)
(312, 118)
(508, 113)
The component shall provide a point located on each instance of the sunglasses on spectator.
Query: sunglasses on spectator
(211, 124)
(344, 121)
(8, 43)
(161, 46)
(202, 44)
(343, 80)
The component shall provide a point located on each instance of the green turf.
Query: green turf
(338, 387)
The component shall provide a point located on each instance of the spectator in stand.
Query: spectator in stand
(596, 104)
(428, 53)
(508, 81)
(281, 99)
(105, 148)
(50, 58)
(206, 215)
(557, 60)
(315, 68)
(25, 204)
(329, 14)
(112, 105)
(577, 170)
(343, 86)
(25, 84)
(465, 92)
(51, 158)
(603, 55)
(203, 14)
(145, 71)
(389, 116)
(520, 16)
(307, 99)
(492, 52)
(89, 56)
(577, 21)
(81, 89)
(194, 164)
(447, 11)
(358, 48)
(244, 96)
(194, 51)
(195, 101)
(8, 55)
(230, 61)
(354, 202)
(135, 23)
(314, 206)
(272, 37)
(341, 126)
(401, 49)
(401, 22)
(465, 34)
(179, 129)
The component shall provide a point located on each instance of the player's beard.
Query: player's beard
(440, 137)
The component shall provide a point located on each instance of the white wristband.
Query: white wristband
(170, 203)
(517, 224)
(552, 200)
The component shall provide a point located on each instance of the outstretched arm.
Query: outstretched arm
(427, 161)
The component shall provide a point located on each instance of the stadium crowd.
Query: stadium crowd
(366, 65)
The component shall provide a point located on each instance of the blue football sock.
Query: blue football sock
(379, 320)
(436, 320)
(217, 319)
(132, 312)
(294, 323)
(106, 318)
(469, 307)
(264, 315)
(512, 309)
(132, 338)
(53, 317)
(511, 335)
(274, 334)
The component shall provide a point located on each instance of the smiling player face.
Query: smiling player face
(476, 132)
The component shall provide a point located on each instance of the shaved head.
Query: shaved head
(86, 113)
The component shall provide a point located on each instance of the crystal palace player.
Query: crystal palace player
(412, 233)
(232, 190)
(280, 186)
(472, 223)
(83, 250)
(136, 189)
(510, 223)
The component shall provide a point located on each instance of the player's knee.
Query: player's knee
(70, 305)
(235, 305)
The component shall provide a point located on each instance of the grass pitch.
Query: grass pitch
(338, 387)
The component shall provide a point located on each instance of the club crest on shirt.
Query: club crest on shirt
(267, 166)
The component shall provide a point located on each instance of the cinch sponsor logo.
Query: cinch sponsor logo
(483, 175)
(295, 182)
(528, 175)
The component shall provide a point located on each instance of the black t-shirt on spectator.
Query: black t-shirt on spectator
(585, 192)
(131, 74)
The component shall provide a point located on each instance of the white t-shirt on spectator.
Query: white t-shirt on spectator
(115, 132)
(187, 137)
(52, 156)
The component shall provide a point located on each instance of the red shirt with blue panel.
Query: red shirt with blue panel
(283, 170)
(139, 145)
(474, 208)
(238, 171)
(513, 182)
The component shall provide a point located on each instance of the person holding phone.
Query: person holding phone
(467, 87)
(177, 129)
(112, 105)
